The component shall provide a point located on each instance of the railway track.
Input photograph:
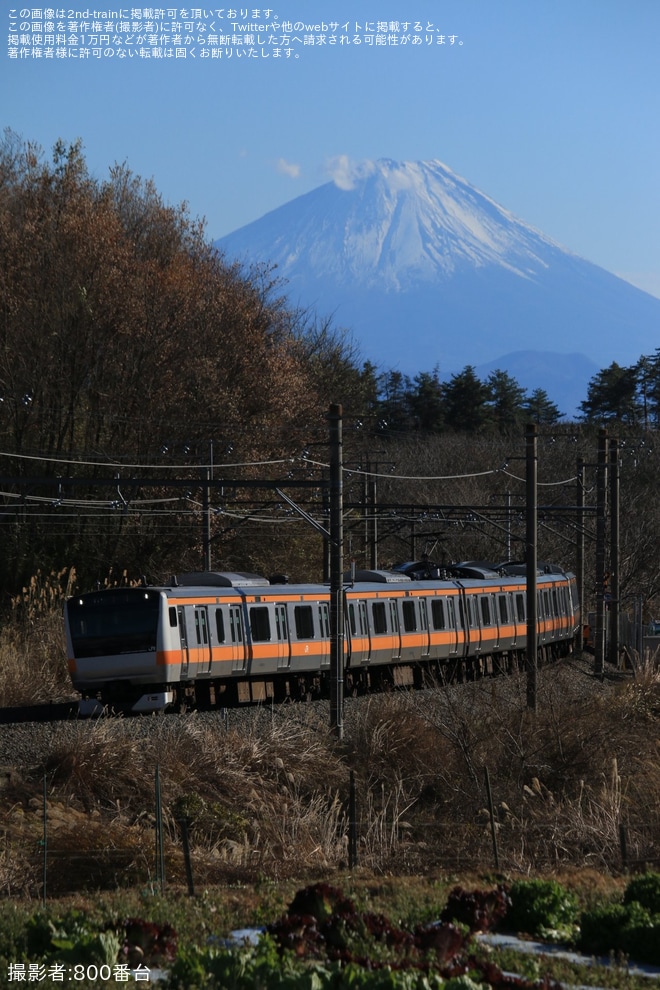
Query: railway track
(51, 711)
(73, 710)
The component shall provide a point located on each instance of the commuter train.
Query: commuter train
(225, 639)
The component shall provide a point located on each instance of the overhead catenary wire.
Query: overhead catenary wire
(287, 460)
(44, 459)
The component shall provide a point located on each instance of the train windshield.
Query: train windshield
(122, 620)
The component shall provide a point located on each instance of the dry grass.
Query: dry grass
(33, 665)
(267, 795)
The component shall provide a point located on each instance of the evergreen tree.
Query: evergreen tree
(506, 401)
(612, 396)
(427, 402)
(394, 404)
(539, 408)
(648, 384)
(466, 401)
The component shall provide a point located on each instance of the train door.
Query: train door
(443, 618)
(463, 625)
(490, 629)
(507, 640)
(358, 628)
(185, 656)
(202, 640)
(424, 624)
(521, 618)
(195, 641)
(282, 645)
(236, 638)
(541, 615)
(476, 634)
(396, 630)
(452, 624)
(324, 630)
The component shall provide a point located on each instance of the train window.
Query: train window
(260, 624)
(438, 613)
(304, 621)
(520, 607)
(364, 622)
(281, 623)
(324, 620)
(219, 625)
(201, 630)
(236, 624)
(173, 621)
(424, 614)
(451, 614)
(485, 611)
(409, 616)
(394, 616)
(504, 611)
(555, 602)
(351, 618)
(379, 618)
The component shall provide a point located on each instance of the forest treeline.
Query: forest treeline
(127, 343)
(624, 395)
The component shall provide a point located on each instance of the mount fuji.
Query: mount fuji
(427, 271)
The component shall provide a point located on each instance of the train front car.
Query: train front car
(118, 645)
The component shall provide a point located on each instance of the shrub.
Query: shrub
(600, 929)
(645, 889)
(628, 928)
(541, 907)
(13, 938)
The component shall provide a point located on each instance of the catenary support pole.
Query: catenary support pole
(373, 512)
(580, 547)
(336, 574)
(206, 515)
(613, 604)
(531, 457)
(601, 533)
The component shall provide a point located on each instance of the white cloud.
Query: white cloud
(288, 168)
(344, 172)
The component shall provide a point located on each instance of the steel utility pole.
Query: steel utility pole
(614, 608)
(531, 445)
(601, 534)
(580, 547)
(336, 574)
(206, 518)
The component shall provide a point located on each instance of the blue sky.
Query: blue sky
(551, 107)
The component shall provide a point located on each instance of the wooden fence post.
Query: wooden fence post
(352, 825)
(491, 812)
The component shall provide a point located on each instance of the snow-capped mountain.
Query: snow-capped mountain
(426, 270)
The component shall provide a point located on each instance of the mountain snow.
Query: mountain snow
(403, 223)
(427, 271)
